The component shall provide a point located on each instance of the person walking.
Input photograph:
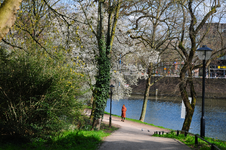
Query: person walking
(123, 115)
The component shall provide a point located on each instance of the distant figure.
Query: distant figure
(123, 113)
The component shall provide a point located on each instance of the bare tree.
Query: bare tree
(187, 46)
(154, 25)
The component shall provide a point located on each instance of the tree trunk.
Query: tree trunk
(8, 10)
(101, 92)
(146, 94)
(91, 100)
(96, 124)
(188, 119)
(93, 108)
(209, 71)
(190, 107)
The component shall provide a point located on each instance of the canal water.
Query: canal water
(166, 112)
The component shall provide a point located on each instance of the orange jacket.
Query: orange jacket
(123, 111)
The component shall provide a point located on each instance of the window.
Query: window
(223, 30)
(222, 58)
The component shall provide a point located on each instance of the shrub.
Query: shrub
(38, 94)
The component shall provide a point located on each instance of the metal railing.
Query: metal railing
(213, 146)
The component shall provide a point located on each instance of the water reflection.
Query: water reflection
(166, 112)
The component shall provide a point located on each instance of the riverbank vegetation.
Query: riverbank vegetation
(190, 141)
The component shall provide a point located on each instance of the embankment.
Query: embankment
(169, 86)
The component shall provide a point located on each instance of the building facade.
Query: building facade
(215, 38)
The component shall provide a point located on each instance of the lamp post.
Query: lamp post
(111, 88)
(204, 53)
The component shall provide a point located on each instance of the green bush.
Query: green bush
(38, 94)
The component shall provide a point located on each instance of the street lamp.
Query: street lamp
(111, 88)
(204, 53)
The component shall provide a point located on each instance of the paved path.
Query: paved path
(131, 137)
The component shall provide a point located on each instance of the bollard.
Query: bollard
(212, 146)
(196, 139)
(177, 132)
(185, 133)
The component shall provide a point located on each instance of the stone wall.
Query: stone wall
(169, 86)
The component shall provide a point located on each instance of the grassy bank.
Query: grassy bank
(190, 141)
(67, 140)
(138, 121)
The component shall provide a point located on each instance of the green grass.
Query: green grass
(88, 107)
(67, 140)
(190, 141)
(138, 121)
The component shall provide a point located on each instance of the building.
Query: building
(215, 38)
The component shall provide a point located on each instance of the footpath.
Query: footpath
(136, 136)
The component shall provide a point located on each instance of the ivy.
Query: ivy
(101, 92)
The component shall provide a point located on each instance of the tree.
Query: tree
(36, 31)
(187, 46)
(104, 43)
(122, 49)
(37, 26)
(154, 25)
(8, 10)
